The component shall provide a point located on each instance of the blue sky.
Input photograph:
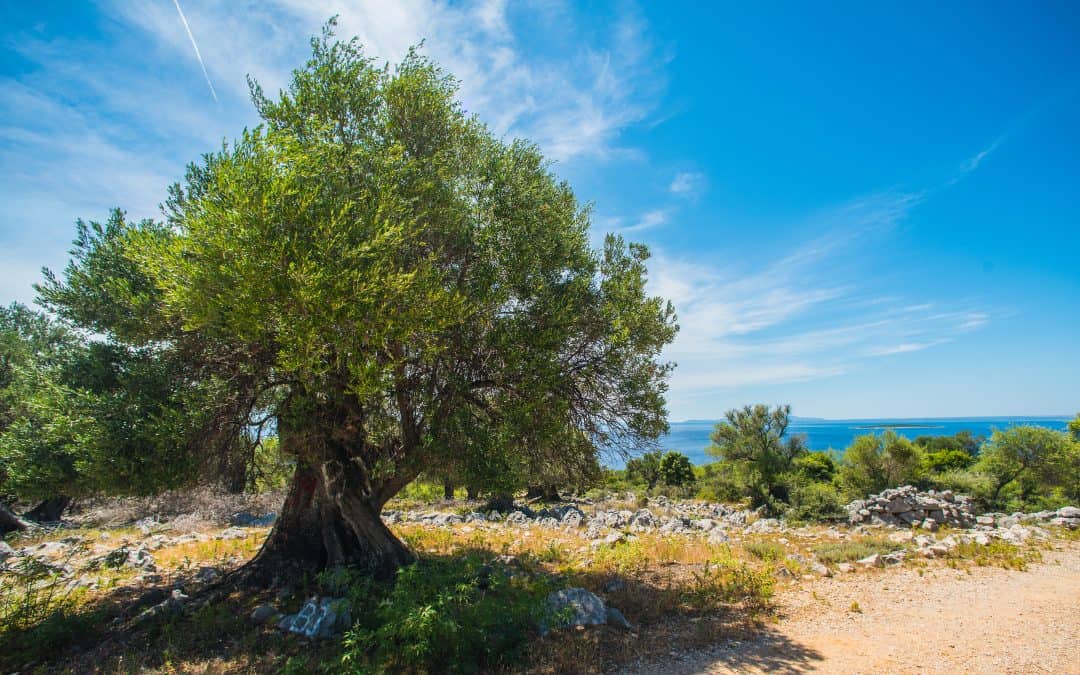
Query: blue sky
(861, 209)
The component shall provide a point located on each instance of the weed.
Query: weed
(997, 553)
(846, 551)
(769, 551)
(855, 608)
(459, 614)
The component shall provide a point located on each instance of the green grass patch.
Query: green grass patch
(769, 551)
(848, 551)
(451, 615)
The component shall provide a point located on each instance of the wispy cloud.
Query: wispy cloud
(808, 314)
(975, 160)
(687, 184)
(195, 45)
(648, 221)
(574, 97)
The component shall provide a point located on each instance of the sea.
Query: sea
(692, 437)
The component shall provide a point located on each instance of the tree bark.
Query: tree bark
(9, 522)
(330, 520)
(49, 510)
(448, 491)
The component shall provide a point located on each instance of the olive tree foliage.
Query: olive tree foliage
(755, 443)
(396, 288)
(1029, 467)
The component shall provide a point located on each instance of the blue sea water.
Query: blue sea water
(692, 437)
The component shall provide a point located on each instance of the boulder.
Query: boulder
(576, 607)
(319, 618)
(573, 517)
(264, 613)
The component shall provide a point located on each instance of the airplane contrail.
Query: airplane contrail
(198, 55)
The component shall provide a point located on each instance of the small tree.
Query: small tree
(645, 469)
(1028, 461)
(755, 441)
(676, 469)
(873, 463)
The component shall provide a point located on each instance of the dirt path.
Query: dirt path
(947, 621)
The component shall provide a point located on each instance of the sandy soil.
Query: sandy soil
(947, 621)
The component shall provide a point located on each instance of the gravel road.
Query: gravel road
(947, 621)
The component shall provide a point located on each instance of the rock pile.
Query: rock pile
(906, 507)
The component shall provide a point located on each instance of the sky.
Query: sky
(859, 209)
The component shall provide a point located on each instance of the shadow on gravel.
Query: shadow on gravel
(767, 651)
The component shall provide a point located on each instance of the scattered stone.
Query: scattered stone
(5, 551)
(845, 567)
(643, 520)
(874, 560)
(576, 607)
(207, 574)
(717, 537)
(245, 519)
(264, 613)
(319, 618)
(820, 570)
(232, 533)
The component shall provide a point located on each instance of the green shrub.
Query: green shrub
(816, 467)
(725, 580)
(718, 482)
(676, 469)
(444, 615)
(768, 551)
(39, 612)
(814, 502)
(947, 460)
(846, 551)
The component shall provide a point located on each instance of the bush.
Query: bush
(769, 551)
(676, 469)
(816, 501)
(947, 460)
(873, 463)
(443, 615)
(39, 612)
(846, 551)
(816, 467)
(717, 482)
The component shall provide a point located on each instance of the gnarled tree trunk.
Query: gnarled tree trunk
(9, 522)
(328, 520)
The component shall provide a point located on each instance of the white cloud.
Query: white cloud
(799, 317)
(687, 184)
(648, 220)
(574, 99)
(115, 126)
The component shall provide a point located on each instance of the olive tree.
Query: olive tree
(390, 283)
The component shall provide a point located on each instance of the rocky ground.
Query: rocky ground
(915, 582)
